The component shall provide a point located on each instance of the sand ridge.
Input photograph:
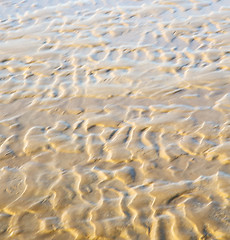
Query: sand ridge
(114, 120)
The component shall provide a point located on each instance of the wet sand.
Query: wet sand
(115, 120)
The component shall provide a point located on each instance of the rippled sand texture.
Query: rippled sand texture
(115, 120)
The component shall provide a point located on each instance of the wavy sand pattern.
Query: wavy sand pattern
(115, 120)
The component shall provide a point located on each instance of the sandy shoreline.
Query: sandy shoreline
(115, 120)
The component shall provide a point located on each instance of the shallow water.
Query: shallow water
(115, 119)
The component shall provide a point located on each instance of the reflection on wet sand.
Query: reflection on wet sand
(114, 120)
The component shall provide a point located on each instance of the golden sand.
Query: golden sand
(115, 120)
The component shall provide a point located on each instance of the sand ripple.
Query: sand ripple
(115, 120)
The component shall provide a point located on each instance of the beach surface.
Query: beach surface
(115, 120)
